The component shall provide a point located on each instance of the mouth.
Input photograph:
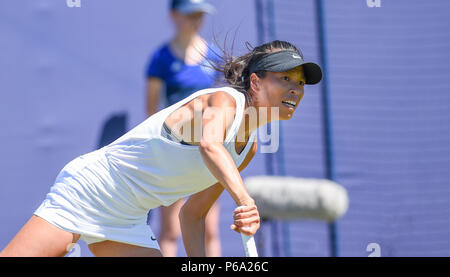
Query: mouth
(290, 103)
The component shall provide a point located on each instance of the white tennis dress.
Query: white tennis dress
(106, 194)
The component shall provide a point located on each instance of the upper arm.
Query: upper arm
(217, 117)
(157, 67)
(155, 75)
(154, 85)
(153, 89)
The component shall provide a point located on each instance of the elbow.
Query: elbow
(207, 147)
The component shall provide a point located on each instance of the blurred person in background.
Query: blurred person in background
(181, 67)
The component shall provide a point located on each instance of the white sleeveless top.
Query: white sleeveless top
(159, 171)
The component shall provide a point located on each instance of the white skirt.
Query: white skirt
(85, 200)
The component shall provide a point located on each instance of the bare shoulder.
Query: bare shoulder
(221, 99)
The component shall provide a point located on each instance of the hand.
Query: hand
(246, 220)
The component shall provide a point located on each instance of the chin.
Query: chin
(286, 116)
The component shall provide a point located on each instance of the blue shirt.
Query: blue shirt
(181, 80)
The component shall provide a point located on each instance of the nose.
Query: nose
(297, 91)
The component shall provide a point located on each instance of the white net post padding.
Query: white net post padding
(289, 198)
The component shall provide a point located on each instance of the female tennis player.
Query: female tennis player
(103, 197)
(178, 69)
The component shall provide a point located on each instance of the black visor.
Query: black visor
(285, 60)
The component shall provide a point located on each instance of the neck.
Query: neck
(263, 114)
(183, 40)
(249, 124)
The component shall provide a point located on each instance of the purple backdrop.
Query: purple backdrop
(65, 71)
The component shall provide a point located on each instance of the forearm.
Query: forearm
(193, 233)
(222, 166)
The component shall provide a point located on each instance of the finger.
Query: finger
(243, 230)
(246, 230)
(249, 231)
(246, 214)
(246, 221)
(235, 228)
(241, 209)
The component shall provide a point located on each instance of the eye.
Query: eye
(286, 78)
(301, 83)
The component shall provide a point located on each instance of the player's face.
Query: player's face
(188, 23)
(283, 90)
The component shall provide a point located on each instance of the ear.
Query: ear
(254, 82)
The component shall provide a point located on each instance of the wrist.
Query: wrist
(245, 202)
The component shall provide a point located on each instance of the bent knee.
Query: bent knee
(169, 236)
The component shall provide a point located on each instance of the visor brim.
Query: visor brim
(203, 7)
(313, 72)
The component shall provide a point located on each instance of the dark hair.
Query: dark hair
(236, 69)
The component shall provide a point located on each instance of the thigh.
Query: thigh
(39, 238)
(110, 248)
